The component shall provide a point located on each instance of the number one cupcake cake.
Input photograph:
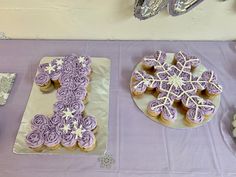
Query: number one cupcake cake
(68, 127)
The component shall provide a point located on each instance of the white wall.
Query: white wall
(113, 19)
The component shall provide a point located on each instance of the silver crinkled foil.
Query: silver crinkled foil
(178, 7)
(145, 9)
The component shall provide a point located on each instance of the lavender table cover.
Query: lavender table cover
(139, 146)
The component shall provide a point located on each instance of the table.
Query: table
(139, 146)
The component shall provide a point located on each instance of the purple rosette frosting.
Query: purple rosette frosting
(82, 81)
(34, 139)
(89, 123)
(83, 71)
(87, 140)
(63, 92)
(59, 106)
(68, 68)
(42, 79)
(55, 120)
(77, 105)
(70, 58)
(69, 98)
(42, 67)
(38, 120)
(55, 75)
(65, 80)
(169, 113)
(51, 138)
(44, 128)
(80, 93)
(195, 116)
(68, 140)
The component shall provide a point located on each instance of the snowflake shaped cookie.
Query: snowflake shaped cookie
(175, 82)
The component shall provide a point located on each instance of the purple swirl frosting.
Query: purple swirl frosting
(152, 61)
(65, 80)
(55, 120)
(169, 113)
(44, 128)
(82, 81)
(63, 92)
(42, 67)
(35, 139)
(42, 79)
(51, 138)
(87, 140)
(68, 140)
(68, 68)
(59, 106)
(195, 116)
(56, 75)
(89, 123)
(80, 93)
(77, 105)
(38, 120)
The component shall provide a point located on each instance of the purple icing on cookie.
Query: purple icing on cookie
(87, 140)
(38, 120)
(42, 79)
(34, 139)
(89, 123)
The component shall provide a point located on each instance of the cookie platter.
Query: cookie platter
(58, 121)
(175, 90)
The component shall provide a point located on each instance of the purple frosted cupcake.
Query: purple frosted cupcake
(38, 120)
(68, 141)
(55, 120)
(81, 94)
(52, 139)
(89, 123)
(35, 140)
(65, 80)
(43, 81)
(63, 92)
(87, 142)
(59, 106)
(77, 105)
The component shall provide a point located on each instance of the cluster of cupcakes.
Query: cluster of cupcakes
(175, 83)
(68, 126)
